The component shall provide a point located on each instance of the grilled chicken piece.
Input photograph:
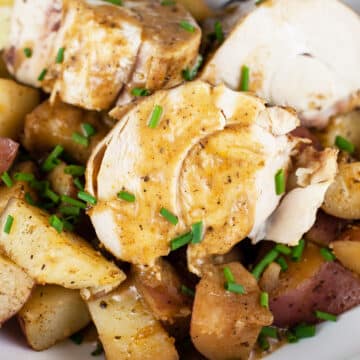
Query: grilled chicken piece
(140, 44)
(226, 325)
(54, 124)
(212, 157)
(288, 46)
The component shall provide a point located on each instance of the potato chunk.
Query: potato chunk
(226, 325)
(49, 125)
(50, 257)
(52, 314)
(61, 182)
(16, 287)
(127, 329)
(15, 102)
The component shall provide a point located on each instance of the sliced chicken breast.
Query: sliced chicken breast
(289, 48)
(211, 157)
(85, 51)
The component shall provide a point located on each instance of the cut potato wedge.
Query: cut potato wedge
(15, 102)
(127, 329)
(52, 314)
(61, 182)
(16, 288)
(348, 253)
(50, 257)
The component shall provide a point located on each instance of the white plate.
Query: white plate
(334, 341)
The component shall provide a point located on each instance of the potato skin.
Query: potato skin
(49, 125)
(8, 152)
(342, 199)
(225, 325)
(313, 284)
(52, 314)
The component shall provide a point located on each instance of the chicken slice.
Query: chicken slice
(106, 46)
(289, 48)
(211, 157)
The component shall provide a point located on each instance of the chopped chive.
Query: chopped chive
(187, 26)
(28, 52)
(264, 263)
(190, 74)
(155, 116)
(263, 343)
(40, 186)
(235, 288)
(282, 262)
(291, 337)
(187, 291)
(68, 225)
(77, 338)
(84, 196)
(29, 199)
(269, 331)
(60, 56)
(88, 129)
(115, 2)
(169, 216)
(219, 33)
(78, 183)
(8, 224)
(69, 200)
(124, 195)
(168, 2)
(5, 177)
(197, 231)
(70, 210)
(52, 160)
(80, 139)
(42, 75)
(327, 254)
(344, 144)
(99, 348)
(264, 299)
(245, 78)
(140, 92)
(283, 249)
(56, 223)
(303, 331)
(259, 2)
(180, 241)
(280, 182)
(74, 170)
(228, 275)
(53, 196)
(24, 177)
(325, 316)
(298, 251)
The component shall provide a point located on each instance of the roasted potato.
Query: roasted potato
(270, 277)
(15, 102)
(52, 314)
(199, 8)
(4, 74)
(160, 287)
(226, 325)
(326, 229)
(347, 249)
(52, 124)
(19, 188)
(8, 152)
(16, 288)
(313, 284)
(62, 183)
(50, 257)
(342, 199)
(5, 16)
(127, 328)
(345, 125)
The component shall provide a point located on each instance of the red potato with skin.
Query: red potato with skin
(313, 284)
(8, 152)
(226, 325)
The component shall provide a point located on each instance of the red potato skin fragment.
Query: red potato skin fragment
(8, 152)
(326, 229)
(332, 289)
